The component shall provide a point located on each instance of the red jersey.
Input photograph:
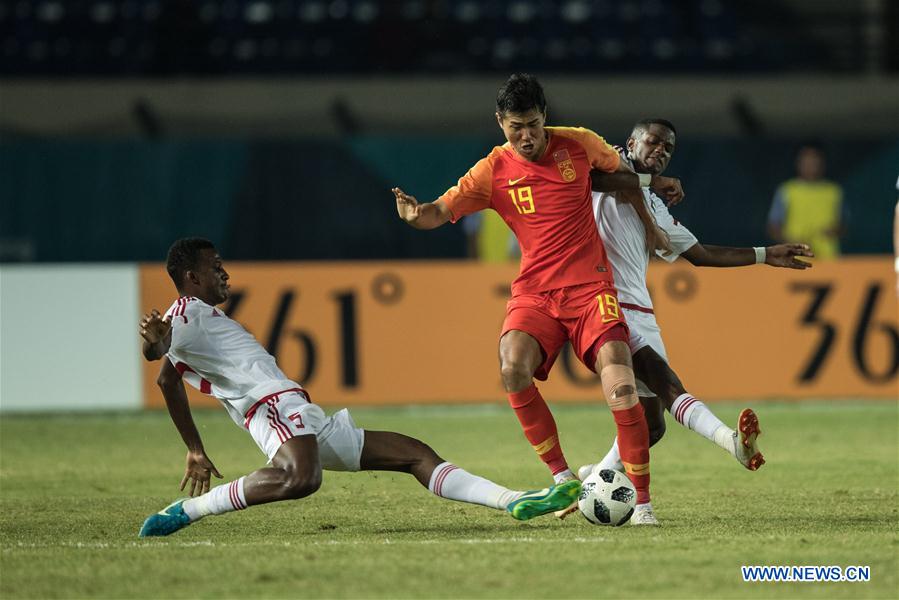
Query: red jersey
(547, 204)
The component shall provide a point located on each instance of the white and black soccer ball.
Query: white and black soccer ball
(607, 498)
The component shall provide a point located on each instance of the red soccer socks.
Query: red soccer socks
(633, 444)
(540, 427)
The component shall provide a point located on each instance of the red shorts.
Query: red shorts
(588, 315)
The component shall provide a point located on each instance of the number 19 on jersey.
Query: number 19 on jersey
(523, 200)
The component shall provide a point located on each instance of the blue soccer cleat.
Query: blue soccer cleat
(540, 502)
(169, 520)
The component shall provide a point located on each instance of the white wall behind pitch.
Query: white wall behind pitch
(68, 337)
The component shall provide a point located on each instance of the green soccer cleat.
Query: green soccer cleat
(169, 520)
(540, 502)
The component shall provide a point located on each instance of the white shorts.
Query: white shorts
(289, 414)
(644, 332)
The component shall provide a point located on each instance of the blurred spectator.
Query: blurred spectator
(809, 208)
(489, 238)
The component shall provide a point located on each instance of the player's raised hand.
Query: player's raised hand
(154, 328)
(407, 206)
(198, 471)
(786, 255)
(669, 188)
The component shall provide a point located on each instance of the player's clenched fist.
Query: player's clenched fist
(668, 187)
(154, 328)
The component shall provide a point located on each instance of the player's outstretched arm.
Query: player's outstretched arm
(782, 255)
(199, 468)
(420, 216)
(157, 334)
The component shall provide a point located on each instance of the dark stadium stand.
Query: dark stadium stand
(110, 38)
(260, 120)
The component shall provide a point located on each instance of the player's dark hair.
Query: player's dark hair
(521, 93)
(183, 256)
(644, 124)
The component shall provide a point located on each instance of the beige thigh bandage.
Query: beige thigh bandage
(619, 386)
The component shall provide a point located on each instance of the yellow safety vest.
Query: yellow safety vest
(812, 209)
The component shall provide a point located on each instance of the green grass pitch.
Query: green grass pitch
(74, 490)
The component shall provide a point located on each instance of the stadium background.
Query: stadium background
(278, 127)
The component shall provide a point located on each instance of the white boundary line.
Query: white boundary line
(150, 544)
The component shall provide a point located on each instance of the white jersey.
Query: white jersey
(216, 355)
(624, 239)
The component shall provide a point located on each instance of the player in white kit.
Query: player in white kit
(206, 348)
(649, 149)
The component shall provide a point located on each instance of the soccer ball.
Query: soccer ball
(607, 498)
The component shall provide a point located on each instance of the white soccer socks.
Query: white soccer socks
(451, 482)
(612, 459)
(563, 476)
(692, 414)
(696, 416)
(221, 499)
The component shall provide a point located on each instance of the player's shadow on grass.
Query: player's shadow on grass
(443, 530)
(489, 530)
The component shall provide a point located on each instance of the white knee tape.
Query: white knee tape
(619, 386)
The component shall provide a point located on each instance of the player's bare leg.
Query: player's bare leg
(520, 355)
(655, 420)
(388, 451)
(689, 412)
(613, 363)
(654, 415)
(294, 473)
(695, 415)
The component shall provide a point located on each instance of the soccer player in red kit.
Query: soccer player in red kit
(540, 184)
